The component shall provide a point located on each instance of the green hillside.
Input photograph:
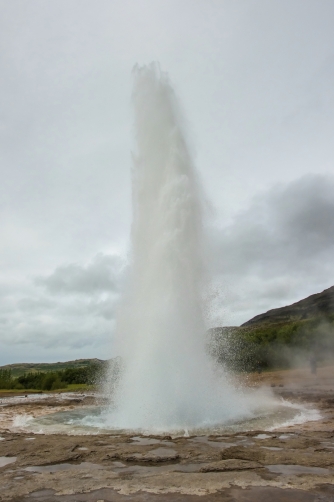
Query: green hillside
(279, 338)
(319, 305)
(19, 369)
(69, 375)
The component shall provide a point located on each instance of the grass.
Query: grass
(20, 369)
(70, 388)
(79, 386)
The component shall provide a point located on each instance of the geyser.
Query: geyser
(168, 382)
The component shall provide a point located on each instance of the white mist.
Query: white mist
(169, 382)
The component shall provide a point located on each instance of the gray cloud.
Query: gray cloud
(35, 304)
(278, 250)
(60, 326)
(68, 312)
(256, 82)
(287, 227)
(102, 274)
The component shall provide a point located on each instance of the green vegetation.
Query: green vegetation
(273, 345)
(280, 338)
(20, 369)
(71, 378)
(6, 379)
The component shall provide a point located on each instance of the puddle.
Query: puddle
(244, 442)
(262, 436)
(145, 441)
(143, 469)
(286, 436)
(162, 452)
(82, 448)
(119, 464)
(187, 467)
(296, 469)
(62, 467)
(149, 441)
(214, 444)
(2, 439)
(7, 460)
(30, 439)
(272, 448)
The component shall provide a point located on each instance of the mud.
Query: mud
(289, 464)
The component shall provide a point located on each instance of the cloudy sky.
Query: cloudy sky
(256, 84)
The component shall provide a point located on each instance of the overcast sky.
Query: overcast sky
(255, 79)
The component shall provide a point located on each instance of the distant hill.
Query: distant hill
(19, 369)
(280, 337)
(317, 305)
(271, 339)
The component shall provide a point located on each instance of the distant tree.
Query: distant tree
(6, 379)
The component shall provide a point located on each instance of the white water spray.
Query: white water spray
(168, 382)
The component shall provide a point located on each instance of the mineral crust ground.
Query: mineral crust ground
(287, 465)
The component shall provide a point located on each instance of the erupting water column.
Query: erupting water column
(168, 382)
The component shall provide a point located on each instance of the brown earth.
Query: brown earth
(287, 465)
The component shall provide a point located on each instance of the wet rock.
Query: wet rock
(156, 456)
(292, 444)
(231, 464)
(112, 456)
(243, 453)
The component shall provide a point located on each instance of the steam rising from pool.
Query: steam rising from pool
(168, 381)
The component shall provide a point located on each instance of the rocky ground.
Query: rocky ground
(292, 464)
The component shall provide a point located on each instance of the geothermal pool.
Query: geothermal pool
(99, 420)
